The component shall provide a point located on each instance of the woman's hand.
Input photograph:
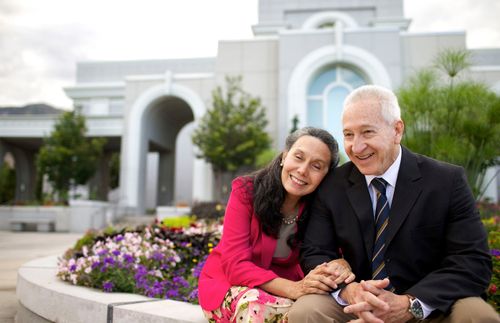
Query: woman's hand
(340, 271)
(324, 278)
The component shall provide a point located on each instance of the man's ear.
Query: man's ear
(399, 128)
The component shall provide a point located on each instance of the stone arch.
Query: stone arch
(134, 146)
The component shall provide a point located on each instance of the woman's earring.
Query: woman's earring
(281, 164)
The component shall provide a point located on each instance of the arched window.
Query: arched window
(327, 24)
(329, 19)
(325, 96)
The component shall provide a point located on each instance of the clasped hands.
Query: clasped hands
(371, 303)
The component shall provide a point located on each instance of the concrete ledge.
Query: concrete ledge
(40, 291)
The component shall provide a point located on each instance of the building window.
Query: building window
(327, 24)
(329, 19)
(325, 96)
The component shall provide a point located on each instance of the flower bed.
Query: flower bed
(164, 260)
(155, 261)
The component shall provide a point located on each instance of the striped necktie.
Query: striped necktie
(381, 221)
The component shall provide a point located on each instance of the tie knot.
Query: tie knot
(380, 184)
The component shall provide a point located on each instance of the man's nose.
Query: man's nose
(358, 145)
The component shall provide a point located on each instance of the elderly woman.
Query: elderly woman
(253, 275)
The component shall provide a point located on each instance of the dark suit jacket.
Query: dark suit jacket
(437, 246)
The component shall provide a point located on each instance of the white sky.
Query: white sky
(41, 41)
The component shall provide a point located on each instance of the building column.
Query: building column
(166, 171)
(25, 174)
(202, 181)
(99, 183)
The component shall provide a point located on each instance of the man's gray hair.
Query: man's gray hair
(387, 100)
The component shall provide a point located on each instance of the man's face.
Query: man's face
(371, 143)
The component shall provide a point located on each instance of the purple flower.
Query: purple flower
(72, 268)
(107, 286)
(178, 280)
(197, 269)
(128, 258)
(95, 265)
(495, 252)
(158, 256)
(172, 293)
(118, 238)
(193, 294)
(116, 252)
(102, 252)
(141, 269)
(141, 276)
(109, 261)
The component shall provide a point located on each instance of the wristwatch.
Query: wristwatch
(415, 308)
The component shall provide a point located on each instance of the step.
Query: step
(40, 291)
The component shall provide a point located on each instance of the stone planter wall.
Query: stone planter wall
(59, 214)
(80, 216)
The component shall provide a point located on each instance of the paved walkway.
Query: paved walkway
(15, 250)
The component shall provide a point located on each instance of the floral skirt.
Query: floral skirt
(244, 304)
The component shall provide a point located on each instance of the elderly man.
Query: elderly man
(407, 225)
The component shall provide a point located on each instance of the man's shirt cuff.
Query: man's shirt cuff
(338, 299)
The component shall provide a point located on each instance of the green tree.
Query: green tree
(114, 170)
(67, 157)
(7, 184)
(232, 134)
(451, 117)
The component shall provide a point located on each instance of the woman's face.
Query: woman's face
(304, 166)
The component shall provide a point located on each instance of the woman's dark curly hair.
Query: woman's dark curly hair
(268, 191)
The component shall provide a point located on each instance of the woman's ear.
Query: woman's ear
(283, 156)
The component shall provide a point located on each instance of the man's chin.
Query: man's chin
(366, 170)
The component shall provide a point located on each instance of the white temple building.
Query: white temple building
(306, 56)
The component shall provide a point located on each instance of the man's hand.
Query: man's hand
(395, 311)
(363, 302)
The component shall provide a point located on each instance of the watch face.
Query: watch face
(416, 309)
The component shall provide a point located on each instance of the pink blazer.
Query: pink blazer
(244, 255)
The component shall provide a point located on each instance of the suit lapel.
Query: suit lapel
(408, 189)
(359, 199)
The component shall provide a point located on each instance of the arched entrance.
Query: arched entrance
(153, 124)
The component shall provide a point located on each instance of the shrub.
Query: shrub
(208, 210)
(178, 221)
